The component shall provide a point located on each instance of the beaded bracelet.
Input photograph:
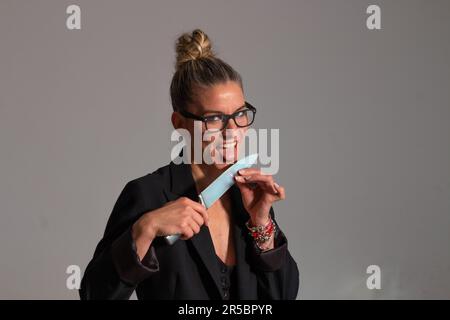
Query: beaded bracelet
(261, 234)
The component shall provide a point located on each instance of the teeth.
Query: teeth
(229, 144)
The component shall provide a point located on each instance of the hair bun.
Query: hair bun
(192, 47)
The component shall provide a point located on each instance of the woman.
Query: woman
(217, 257)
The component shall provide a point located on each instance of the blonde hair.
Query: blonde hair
(197, 66)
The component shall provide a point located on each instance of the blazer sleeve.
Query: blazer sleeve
(278, 275)
(115, 269)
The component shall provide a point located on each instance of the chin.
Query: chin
(221, 166)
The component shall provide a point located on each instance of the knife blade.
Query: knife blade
(218, 187)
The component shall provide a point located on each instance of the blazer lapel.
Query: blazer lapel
(182, 184)
(246, 279)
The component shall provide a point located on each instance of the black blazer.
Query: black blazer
(188, 269)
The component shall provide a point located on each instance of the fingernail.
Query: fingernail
(276, 185)
(247, 177)
(241, 171)
(239, 178)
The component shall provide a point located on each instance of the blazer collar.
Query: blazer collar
(182, 184)
(181, 179)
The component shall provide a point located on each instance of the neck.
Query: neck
(204, 174)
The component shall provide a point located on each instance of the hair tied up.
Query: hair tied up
(197, 67)
(190, 47)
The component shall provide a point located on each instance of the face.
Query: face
(224, 98)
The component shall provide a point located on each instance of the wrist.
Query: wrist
(143, 231)
(270, 244)
(143, 237)
(262, 234)
(260, 221)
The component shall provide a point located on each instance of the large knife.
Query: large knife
(218, 187)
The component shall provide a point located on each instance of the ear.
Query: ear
(177, 122)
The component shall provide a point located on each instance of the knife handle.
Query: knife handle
(170, 240)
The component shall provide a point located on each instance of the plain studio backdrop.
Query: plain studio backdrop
(364, 119)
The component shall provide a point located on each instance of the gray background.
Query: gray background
(364, 120)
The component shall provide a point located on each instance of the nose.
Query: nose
(231, 124)
(229, 131)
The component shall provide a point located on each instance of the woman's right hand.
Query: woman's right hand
(182, 216)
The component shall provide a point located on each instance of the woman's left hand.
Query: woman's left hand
(259, 191)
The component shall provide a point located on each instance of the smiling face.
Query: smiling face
(225, 98)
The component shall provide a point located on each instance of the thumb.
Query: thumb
(245, 188)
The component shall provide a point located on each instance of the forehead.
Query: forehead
(225, 98)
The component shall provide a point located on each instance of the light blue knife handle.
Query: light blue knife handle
(218, 187)
(172, 238)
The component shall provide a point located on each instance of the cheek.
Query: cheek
(240, 134)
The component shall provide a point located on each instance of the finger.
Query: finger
(255, 173)
(265, 181)
(198, 218)
(195, 205)
(198, 207)
(249, 171)
(242, 183)
(204, 214)
(194, 226)
(253, 182)
(187, 232)
(281, 191)
(245, 188)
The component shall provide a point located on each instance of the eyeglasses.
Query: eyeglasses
(244, 117)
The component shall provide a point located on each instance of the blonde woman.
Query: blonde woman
(217, 257)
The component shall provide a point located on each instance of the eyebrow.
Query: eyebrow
(219, 112)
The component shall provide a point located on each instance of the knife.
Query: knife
(218, 187)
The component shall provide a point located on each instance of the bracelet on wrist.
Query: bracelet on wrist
(261, 234)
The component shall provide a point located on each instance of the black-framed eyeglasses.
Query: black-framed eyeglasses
(244, 117)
